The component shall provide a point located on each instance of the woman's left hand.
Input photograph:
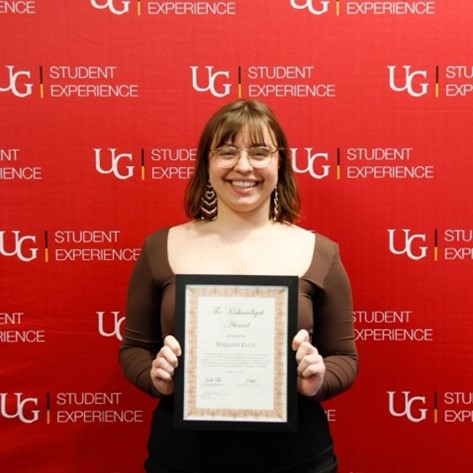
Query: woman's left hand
(310, 365)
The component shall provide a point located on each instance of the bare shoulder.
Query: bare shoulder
(186, 230)
(296, 241)
(297, 233)
(187, 239)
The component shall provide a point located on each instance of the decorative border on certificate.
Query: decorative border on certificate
(237, 370)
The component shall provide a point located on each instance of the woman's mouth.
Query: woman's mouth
(243, 184)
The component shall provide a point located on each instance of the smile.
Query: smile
(243, 184)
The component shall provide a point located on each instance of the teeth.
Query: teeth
(244, 184)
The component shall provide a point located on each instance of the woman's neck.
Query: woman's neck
(229, 221)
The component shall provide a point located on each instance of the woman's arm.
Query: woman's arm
(142, 337)
(333, 333)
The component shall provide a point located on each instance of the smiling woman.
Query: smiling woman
(242, 203)
(250, 124)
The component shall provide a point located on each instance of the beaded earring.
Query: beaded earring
(275, 205)
(208, 208)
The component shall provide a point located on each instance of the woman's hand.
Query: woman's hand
(310, 365)
(162, 368)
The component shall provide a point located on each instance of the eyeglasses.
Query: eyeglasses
(258, 156)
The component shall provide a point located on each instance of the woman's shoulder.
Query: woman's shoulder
(323, 243)
(157, 236)
(173, 235)
(155, 252)
(325, 254)
(164, 231)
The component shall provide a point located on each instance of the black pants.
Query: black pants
(332, 468)
(327, 465)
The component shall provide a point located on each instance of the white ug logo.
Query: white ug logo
(408, 81)
(309, 5)
(20, 408)
(114, 162)
(18, 246)
(310, 167)
(408, 244)
(110, 5)
(211, 78)
(115, 323)
(13, 83)
(408, 406)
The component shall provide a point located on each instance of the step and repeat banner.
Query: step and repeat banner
(101, 106)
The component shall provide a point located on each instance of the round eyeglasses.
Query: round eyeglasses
(258, 156)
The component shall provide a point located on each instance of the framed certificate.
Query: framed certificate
(237, 370)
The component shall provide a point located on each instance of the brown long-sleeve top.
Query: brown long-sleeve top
(324, 310)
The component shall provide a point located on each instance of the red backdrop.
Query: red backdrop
(101, 106)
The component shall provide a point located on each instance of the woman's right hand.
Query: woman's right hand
(163, 366)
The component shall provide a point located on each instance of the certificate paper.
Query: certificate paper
(238, 369)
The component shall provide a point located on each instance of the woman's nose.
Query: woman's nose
(243, 163)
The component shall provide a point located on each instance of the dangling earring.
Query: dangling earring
(275, 205)
(208, 208)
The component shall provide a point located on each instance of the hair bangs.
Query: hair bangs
(249, 122)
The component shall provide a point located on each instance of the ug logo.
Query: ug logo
(309, 5)
(13, 83)
(412, 406)
(210, 83)
(407, 83)
(317, 172)
(113, 162)
(110, 4)
(408, 248)
(20, 411)
(19, 249)
(115, 323)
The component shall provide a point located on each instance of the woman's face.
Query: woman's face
(244, 188)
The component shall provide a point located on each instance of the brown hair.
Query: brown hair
(224, 126)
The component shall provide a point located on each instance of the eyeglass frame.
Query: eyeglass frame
(250, 159)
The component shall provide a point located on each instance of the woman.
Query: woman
(242, 203)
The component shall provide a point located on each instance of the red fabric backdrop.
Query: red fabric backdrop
(101, 106)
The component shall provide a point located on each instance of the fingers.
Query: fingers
(173, 344)
(166, 360)
(301, 336)
(309, 361)
(164, 364)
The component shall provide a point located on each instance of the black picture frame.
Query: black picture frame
(279, 293)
